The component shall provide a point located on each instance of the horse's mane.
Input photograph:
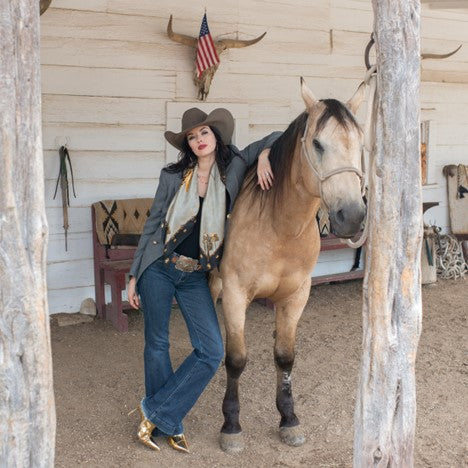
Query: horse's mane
(280, 160)
(339, 111)
(282, 151)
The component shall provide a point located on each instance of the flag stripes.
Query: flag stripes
(206, 51)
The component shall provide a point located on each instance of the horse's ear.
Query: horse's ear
(307, 94)
(354, 103)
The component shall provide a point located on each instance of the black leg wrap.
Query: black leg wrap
(285, 363)
(235, 366)
(231, 406)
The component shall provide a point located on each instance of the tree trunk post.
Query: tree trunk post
(27, 411)
(386, 399)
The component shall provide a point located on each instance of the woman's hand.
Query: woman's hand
(133, 298)
(264, 172)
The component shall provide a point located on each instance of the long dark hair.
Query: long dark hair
(188, 160)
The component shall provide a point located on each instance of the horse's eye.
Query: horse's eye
(318, 147)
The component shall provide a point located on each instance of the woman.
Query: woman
(181, 241)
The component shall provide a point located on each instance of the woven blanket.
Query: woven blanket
(120, 217)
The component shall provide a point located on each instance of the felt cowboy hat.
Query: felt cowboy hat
(221, 119)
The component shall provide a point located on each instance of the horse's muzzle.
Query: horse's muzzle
(347, 220)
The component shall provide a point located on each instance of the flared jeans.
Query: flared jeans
(170, 395)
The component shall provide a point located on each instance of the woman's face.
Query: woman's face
(202, 141)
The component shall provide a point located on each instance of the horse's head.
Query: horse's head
(332, 149)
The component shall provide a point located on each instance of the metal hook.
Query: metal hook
(367, 51)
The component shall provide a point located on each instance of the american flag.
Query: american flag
(206, 52)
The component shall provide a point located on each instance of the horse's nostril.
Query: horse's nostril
(340, 216)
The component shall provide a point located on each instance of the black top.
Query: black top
(190, 246)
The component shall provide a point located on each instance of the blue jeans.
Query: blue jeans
(170, 395)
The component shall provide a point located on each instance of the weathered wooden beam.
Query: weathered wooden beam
(386, 401)
(27, 412)
(443, 4)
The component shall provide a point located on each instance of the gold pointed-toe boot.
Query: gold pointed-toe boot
(179, 442)
(144, 431)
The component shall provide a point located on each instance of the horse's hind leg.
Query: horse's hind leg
(288, 313)
(234, 305)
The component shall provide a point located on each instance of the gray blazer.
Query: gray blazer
(151, 244)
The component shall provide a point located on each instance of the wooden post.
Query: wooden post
(386, 401)
(27, 412)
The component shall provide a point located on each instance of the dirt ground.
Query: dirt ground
(99, 379)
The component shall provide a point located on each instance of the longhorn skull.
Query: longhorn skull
(203, 82)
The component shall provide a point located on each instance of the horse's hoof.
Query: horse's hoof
(231, 443)
(292, 436)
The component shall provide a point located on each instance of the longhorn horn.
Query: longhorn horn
(440, 56)
(237, 44)
(43, 5)
(181, 38)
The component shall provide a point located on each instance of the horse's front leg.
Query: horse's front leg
(288, 313)
(234, 306)
(216, 286)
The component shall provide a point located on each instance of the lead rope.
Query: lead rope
(370, 79)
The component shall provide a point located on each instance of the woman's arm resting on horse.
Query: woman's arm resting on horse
(260, 150)
(264, 172)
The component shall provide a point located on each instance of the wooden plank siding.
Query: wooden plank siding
(109, 70)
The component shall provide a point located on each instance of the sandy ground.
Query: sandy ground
(99, 379)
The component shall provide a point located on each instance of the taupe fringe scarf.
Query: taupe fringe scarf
(183, 210)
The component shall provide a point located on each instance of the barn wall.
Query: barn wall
(109, 70)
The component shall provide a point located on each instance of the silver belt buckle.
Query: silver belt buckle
(186, 264)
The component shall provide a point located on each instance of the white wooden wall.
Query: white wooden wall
(108, 71)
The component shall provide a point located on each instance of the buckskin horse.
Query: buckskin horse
(273, 242)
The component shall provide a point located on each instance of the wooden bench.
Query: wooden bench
(331, 242)
(117, 226)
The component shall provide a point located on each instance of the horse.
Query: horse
(273, 242)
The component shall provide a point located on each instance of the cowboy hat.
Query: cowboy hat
(221, 119)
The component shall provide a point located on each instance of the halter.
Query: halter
(323, 177)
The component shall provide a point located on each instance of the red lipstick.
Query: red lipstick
(202, 146)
